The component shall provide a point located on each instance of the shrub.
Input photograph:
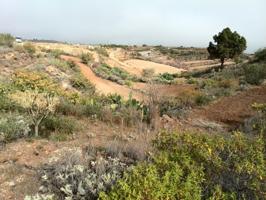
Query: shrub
(5, 103)
(56, 53)
(6, 40)
(13, 126)
(260, 55)
(74, 180)
(60, 124)
(29, 48)
(102, 51)
(64, 65)
(148, 73)
(197, 166)
(26, 80)
(113, 73)
(67, 107)
(202, 100)
(234, 164)
(38, 105)
(79, 82)
(86, 58)
(164, 179)
(166, 78)
(255, 73)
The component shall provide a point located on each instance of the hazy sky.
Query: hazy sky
(166, 22)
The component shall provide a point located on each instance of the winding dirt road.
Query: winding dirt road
(102, 85)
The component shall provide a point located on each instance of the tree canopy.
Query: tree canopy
(228, 45)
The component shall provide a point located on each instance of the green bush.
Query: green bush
(13, 126)
(260, 56)
(29, 48)
(59, 124)
(56, 53)
(102, 51)
(163, 180)
(235, 164)
(86, 58)
(28, 80)
(255, 73)
(197, 166)
(113, 73)
(79, 82)
(202, 100)
(6, 40)
(64, 65)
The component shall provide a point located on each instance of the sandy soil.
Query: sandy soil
(102, 85)
(139, 65)
(136, 66)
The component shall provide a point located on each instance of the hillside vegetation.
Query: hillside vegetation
(62, 137)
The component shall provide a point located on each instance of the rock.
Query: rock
(166, 118)
(263, 82)
(12, 184)
(36, 153)
(91, 135)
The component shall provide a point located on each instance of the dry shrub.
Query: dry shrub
(154, 100)
(148, 73)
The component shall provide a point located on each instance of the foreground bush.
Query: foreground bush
(191, 166)
(74, 180)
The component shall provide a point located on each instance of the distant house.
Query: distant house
(19, 40)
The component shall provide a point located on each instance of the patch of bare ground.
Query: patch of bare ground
(232, 110)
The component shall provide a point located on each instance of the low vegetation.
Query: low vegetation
(139, 154)
(114, 74)
(6, 40)
(192, 166)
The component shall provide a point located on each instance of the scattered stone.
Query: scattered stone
(12, 184)
(263, 82)
(167, 119)
(91, 135)
(36, 153)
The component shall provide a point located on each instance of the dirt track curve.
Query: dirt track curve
(102, 85)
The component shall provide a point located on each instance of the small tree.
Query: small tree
(229, 45)
(38, 105)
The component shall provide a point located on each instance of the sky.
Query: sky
(152, 22)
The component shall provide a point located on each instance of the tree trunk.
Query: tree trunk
(222, 63)
(36, 129)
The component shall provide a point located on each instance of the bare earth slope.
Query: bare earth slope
(233, 110)
(139, 65)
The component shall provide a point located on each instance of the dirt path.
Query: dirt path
(232, 110)
(102, 85)
(136, 66)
